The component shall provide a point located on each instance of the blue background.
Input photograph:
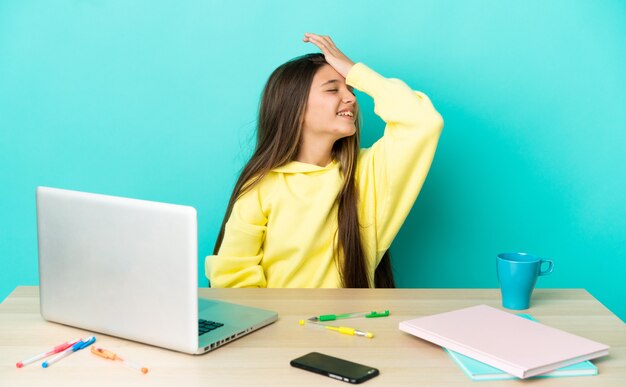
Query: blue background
(158, 101)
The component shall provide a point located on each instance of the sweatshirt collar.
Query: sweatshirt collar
(298, 167)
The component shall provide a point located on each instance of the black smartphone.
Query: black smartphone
(335, 368)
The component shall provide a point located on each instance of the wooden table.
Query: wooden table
(262, 358)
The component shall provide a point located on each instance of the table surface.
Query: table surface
(262, 358)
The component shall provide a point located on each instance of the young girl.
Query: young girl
(312, 209)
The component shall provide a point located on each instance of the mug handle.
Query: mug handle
(549, 269)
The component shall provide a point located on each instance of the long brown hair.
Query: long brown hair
(279, 131)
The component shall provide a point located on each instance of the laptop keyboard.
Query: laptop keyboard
(205, 326)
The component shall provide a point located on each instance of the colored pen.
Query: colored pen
(57, 349)
(331, 317)
(76, 347)
(344, 330)
(113, 356)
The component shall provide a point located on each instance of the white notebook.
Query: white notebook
(515, 345)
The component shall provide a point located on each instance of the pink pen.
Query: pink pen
(57, 349)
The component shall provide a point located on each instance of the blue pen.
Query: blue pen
(76, 347)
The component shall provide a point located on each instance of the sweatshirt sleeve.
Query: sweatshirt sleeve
(237, 263)
(391, 173)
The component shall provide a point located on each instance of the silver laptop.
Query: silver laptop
(129, 268)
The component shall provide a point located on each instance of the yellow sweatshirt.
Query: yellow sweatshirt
(283, 233)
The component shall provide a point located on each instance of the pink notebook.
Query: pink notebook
(515, 345)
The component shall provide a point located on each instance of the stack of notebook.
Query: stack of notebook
(517, 346)
(476, 370)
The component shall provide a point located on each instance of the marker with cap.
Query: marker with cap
(76, 347)
(344, 330)
(105, 353)
(332, 317)
(57, 349)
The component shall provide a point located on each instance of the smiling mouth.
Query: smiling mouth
(346, 114)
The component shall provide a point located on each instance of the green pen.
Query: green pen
(331, 317)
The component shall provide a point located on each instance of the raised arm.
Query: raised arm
(391, 173)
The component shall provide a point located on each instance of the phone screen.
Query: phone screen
(335, 368)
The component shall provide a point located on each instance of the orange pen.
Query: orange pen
(112, 356)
